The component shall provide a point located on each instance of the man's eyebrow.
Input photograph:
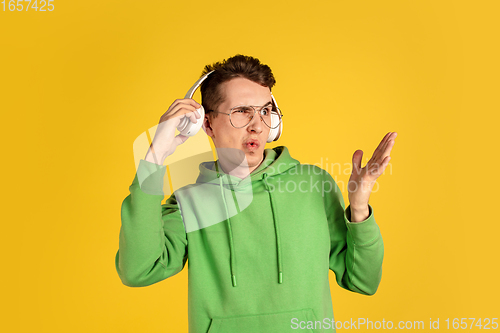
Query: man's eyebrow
(268, 103)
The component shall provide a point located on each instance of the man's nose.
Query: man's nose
(256, 123)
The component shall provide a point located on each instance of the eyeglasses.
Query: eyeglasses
(241, 115)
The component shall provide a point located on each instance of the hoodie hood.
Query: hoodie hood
(276, 161)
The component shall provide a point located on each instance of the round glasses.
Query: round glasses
(241, 115)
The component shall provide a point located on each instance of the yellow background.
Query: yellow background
(79, 84)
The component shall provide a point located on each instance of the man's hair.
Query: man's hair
(237, 66)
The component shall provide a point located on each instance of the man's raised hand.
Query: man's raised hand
(165, 141)
(363, 179)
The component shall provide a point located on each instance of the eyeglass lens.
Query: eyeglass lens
(243, 115)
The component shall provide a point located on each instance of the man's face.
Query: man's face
(249, 140)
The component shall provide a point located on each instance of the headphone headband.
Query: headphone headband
(195, 86)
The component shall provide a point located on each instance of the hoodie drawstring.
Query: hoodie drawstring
(230, 232)
(231, 243)
(276, 230)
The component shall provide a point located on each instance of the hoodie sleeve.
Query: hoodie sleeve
(356, 248)
(152, 241)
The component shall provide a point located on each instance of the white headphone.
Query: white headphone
(188, 128)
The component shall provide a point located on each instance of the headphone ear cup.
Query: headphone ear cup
(188, 128)
(275, 133)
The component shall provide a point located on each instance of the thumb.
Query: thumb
(180, 139)
(356, 161)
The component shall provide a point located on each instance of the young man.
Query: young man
(261, 230)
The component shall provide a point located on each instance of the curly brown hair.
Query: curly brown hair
(237, 66)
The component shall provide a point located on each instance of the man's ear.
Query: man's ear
(207, 127)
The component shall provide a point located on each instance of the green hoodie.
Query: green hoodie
(259, 248)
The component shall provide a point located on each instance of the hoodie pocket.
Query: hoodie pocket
(278, 322)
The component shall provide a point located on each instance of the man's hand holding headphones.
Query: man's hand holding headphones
(165, 141)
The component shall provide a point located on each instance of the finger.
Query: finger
(179, 110)
(179, 103)
(388, 145)
(193, 116)
(180, 139)
(174, 104)
(189, 101)
(380, 146)
(195, 103)
(383, 166)
(382, 150)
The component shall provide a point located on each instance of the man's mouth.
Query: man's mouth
(252, 144)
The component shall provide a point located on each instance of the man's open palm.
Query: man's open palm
(362, 179)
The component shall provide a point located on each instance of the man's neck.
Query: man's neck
(240, 171)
